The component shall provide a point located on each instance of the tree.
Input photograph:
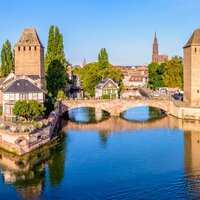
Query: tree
(103, 59)
(173, 73)
(55, 78)
(7, 59)
(61, 95)
(29, 110)
(155, 75)
(55, 47)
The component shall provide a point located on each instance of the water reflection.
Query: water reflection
(87, 115)
(129, 160)
(28, 174)
(143, 114)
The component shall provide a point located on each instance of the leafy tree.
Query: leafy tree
(55, 78)
(103, 59)
(173, 72)
(7, 59)
(55, 47)
(49, 104)
(29, 110)
(155, 75)
(61, 95)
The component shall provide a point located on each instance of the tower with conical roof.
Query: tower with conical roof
(29, 56)
(192, 70)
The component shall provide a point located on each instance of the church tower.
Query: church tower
(192, 70)
(155, 56)
(29, 56)
(84, 62)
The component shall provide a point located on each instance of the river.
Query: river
(142, 155)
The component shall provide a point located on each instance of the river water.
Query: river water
(146, 155)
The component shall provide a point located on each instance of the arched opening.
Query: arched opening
(143, 114)
(87, 115)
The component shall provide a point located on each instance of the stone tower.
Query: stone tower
(155, 55)
(192, 70)
(29, 56)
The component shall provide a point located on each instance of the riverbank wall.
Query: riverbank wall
(20, 143)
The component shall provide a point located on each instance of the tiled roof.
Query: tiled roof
(103, 82)
(194, 39)
(22, 85)
(29, 37)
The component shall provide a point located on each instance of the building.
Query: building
(29, 56)
(107, 88)
(156, 57)
(27, 83)
(192, 70)
(135, 76)
(19, 88)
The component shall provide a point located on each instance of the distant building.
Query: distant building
(134, 76)
(156, 57)
(84, 62)
(192, 70)
(107, 87)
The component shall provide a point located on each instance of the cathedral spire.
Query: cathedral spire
(155, 46)
(155, 39)
(84, 62)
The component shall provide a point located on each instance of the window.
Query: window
(18, 48)
(195, 49)
(35, 48)
(197, 91)
(24, 48)
(35, 96)
(22, 96)
(12, 97)
(29, 48)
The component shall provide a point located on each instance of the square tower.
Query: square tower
(29, 56)
(192, 70)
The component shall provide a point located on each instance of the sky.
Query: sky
(124, 27)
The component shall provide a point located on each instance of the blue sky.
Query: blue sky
(124, 27)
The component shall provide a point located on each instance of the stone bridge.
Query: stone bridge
(117, 106)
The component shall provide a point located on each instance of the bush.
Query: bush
(106, 96)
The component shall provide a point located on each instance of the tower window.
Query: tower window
(18, 48)
(35, 48)
(197, 91)
(24, 48)
(29, 48)
(195, 49)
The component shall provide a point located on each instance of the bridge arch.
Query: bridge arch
(116, 106)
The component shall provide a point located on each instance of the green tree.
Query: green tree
(7, 59)
(55, 78)
(103, 59)
(61, 95)
(29, 110)
(173, 72)
(55, 48)
(155, 75)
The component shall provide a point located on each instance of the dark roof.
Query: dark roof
(103, 82)
(22, 85)
(29, 37)
(33, 77)
(194, 39)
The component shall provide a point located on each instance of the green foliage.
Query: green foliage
(55, 78)
(173, 73)
(105, 96)
(103, 59)
(7, 59)
(61, 95)
(49, 104)
(155, 76)
(29, 110)
(55, 48)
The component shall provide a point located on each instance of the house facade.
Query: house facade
(107, 88)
